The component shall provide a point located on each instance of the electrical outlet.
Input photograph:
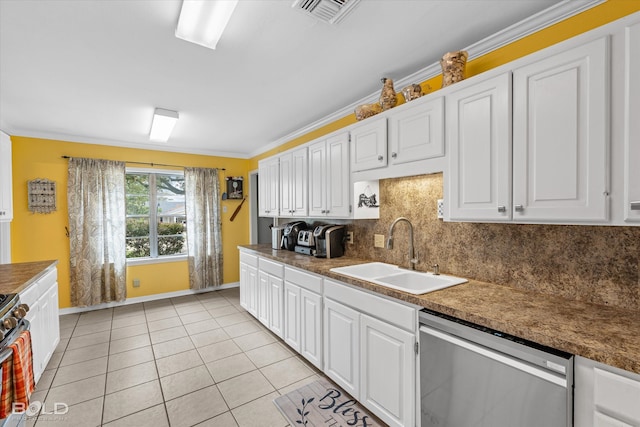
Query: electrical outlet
(136, 283)
(350, 237)
(224, 209)
(378, 240)
(440, 208)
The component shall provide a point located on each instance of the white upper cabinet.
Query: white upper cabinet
(632, 125)
(6, 188)
(293, 183)
(369, 145)
(478, 127)
(561, 136)
(417, 131)
(269, 185)
(329, 177)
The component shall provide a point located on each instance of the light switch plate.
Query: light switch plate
(440, 208)
(378, 240)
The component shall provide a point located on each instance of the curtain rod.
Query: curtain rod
(150, 164)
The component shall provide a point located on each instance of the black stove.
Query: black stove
(11, 314)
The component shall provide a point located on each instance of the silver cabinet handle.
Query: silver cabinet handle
(327, 211)
(502, 209)
(323, 211)
(394, 155)
(519, 208)
(634, 206)
(380, 158)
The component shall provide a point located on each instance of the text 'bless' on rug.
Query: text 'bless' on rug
(322, 403)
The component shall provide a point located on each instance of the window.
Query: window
(156, 220)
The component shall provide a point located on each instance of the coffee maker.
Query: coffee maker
(290, 234)
(329, 240)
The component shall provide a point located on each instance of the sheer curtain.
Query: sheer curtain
(204, 239)
(95, 195)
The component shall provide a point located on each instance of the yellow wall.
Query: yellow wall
(578, 24)
(36, 237)
(42, 237)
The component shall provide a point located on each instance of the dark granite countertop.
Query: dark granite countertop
(605, 334)
(17, 277)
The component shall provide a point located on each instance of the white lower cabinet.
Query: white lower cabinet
(42, 299)
(369, 348)
(388, 370)
(605, 396)
(263, 298)
(270, 295)
(303, 314)
(311, 327)
(291, 332)
(249, 282)
(363, 342)
(342, 346)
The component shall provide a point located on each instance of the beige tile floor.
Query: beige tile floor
(193, 360)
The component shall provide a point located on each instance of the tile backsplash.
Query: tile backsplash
(597, 264)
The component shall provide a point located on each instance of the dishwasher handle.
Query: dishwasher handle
(499, 357)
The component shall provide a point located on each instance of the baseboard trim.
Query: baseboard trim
(146, 298)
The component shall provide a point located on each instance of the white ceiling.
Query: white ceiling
(94, 70)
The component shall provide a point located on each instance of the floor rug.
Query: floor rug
(322, 403)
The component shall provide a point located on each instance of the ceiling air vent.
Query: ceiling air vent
(331, 11)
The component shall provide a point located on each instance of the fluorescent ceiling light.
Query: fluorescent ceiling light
(162, 124)
(203, 21)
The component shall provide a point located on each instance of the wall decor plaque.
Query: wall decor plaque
(42, 195)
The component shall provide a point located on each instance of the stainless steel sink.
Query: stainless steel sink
(392, 276)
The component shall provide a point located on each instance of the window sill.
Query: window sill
(160, 260)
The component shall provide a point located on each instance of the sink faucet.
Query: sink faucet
(412, 254)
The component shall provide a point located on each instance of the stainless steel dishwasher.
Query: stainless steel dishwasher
(472, 376)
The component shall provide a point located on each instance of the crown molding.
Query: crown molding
(543, 19)
(126, 144)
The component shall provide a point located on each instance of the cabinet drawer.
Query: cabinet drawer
(616, 394)
(249, 259)
(392, 312)
(306, 281)
(30, 295)
(274, 268)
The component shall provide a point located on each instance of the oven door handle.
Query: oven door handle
(499, 357)
(7, 352)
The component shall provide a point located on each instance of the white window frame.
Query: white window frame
(153, 234)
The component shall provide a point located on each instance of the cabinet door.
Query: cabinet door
(291, 331)
(417, 132)
(276, 309)
(632, 125)
(338, 176)
(311, 327)
(37, 337)
(342, 346)
(561, 136)
(263, 298)
(51, 319)
(388, 371)
(605, 396)
(6, 189)
(263, 188)
(299, 182)
(273, 182)
(478, 121)
(244, 284)
(252, 290)
(286, 183)
(369, 145)
(317, 179)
